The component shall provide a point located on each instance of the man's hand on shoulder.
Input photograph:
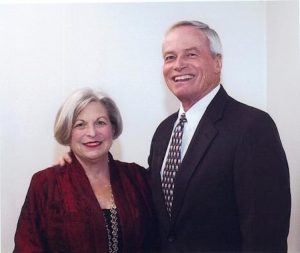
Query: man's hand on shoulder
(66, 158)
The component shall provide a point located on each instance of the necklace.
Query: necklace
(111, 224)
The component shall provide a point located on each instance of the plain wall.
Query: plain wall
(283, 94)
(49, 50)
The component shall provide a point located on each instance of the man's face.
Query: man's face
(190, 70)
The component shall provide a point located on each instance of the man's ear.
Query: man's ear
(218, 63)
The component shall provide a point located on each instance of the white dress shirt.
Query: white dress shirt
(193, 116)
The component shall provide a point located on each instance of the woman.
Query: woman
(94, 204)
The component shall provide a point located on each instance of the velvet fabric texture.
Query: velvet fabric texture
(62, 214)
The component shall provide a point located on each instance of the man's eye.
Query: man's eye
(191, 55)
(169, 57)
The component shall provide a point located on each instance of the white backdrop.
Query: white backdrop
(49, 50)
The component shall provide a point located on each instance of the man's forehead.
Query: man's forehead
(188, 41)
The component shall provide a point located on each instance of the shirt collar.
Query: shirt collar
(201, 105)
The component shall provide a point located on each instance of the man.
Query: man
(231, 190)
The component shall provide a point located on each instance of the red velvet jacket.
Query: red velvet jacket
(61, 212)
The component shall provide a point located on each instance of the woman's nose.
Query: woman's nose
(91, 131)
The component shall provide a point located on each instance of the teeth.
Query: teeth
(183, 78)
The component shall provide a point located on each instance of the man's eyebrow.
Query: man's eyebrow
(168, 52)
(192, 48)
(186, 49)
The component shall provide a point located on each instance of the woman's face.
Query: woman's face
(92, 134)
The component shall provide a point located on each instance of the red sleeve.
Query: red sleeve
(28, 237)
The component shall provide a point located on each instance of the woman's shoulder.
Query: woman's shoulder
(133, 176)
(48, 175)
(130, 168)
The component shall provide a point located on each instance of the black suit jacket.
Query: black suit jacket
(232, 191)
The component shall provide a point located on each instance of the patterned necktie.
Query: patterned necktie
(172, 163)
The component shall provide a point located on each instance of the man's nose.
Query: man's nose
(180, 64)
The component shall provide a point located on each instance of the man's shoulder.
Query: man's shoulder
(244, 110)
(233, 105)
(243, 117)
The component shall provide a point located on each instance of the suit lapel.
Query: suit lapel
(161, 147)
(203, 137)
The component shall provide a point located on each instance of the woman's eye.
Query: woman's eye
(79, 125)
(100, 123)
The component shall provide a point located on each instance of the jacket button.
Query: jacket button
(171, 238)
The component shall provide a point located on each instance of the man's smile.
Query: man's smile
(181, 78)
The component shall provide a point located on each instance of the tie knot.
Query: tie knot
(183, 118)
